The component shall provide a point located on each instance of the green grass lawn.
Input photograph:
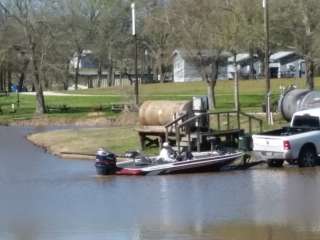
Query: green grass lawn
(125, 138)
(251, 97)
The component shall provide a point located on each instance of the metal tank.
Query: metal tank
(294, 100)
(159, 113)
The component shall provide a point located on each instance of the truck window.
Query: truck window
(306, 121)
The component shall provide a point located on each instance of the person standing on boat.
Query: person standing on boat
(167, 154)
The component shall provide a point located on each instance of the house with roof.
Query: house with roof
(87, 61)
(286, 64)
(88, 70)
(185, 69)
(244, 63)
(283, 64)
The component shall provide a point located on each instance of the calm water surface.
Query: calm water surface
(43, 197)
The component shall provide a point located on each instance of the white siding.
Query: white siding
(191, 73)
(178, 70)
(185, 71)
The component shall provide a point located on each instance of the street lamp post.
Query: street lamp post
(136, 85)
(265, 4)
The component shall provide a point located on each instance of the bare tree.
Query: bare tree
(157, 37)
(80, 21)
(111, 36)
(197, 28)
(299, 30)
(30, 17)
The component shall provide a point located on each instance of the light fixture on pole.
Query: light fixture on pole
(136, 84)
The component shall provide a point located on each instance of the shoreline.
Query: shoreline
(83, 142)
(57, 153)
(79, 138)
(84, 136)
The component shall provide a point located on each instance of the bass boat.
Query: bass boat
(106, 163)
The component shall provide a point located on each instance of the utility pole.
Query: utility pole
(136, 84)
(265, 5)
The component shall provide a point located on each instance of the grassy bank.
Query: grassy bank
(75, 107)
(79, 143)
(120, 139)
(87, 141)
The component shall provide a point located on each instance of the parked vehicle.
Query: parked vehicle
(297, 144)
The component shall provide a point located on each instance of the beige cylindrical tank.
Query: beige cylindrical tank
(159, 113)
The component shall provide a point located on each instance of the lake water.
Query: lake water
(44, 197)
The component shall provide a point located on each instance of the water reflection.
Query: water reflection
(43, 197)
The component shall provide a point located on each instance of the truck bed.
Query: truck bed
(286, 131)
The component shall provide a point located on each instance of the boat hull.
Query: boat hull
(105, 169)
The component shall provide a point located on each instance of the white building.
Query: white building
(283, 64)
(87, 60)
(244, 63)
(185, 69)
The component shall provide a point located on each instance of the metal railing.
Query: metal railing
(174, 124)
(194, 119)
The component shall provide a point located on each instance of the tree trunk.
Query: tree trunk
(77, 73)
(1, 79)
(4, 80)
(155, 73)
(110, 75)
(211, 95)
(236, 84)
(310, 73)
(100, 73)
(21, 81)
(252, 74)
(212, 82)
(163, 73)
(40, 103)
(161, 67)
(110, 70)
(261, 57)
(9, 74)
(45, 81)
(66, 76)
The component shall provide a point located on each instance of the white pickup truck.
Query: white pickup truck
(297, 144)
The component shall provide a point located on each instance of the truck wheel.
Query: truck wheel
(307, 157)
(274, 163)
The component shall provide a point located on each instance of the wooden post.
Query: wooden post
(142, 140)
(178, 139)
(167, 134)
(228, 120)
(189, 140)
(198, 140)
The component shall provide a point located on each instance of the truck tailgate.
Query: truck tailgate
(268, 144)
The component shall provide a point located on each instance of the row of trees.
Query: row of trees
(39, 37)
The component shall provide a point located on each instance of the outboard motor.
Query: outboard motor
(106, 162)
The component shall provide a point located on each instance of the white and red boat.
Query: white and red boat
(106, 164)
